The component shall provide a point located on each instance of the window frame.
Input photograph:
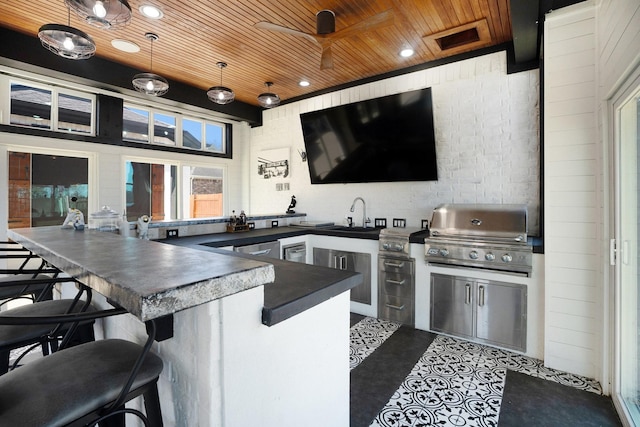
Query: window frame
(179, 128)
(56, 91)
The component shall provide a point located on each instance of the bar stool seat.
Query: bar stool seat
(73, 385)
(17, 336)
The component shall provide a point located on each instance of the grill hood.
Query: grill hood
(505, 223)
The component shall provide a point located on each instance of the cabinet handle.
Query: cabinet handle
(394, 264)
(395, 307)
(481, 295)
(467, 297)
(395, 282)
(343, 263)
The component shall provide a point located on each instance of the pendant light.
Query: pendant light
(221, 94)
(66, 41)
(268, 99)
(150, 83)
(103, 14)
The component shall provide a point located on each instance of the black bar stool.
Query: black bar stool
(82, 385)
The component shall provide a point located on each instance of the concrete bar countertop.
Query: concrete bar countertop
(149, 279)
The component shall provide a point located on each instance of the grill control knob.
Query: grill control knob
(473, 254)
(489, 257)
(507, 258)
(444, 252)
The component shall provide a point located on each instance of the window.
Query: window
(30, 106)
(74, 113)
(173, 129)
(214, 138)
(150, 190)
(51, 108)
(164, 129)
(135, 124)
(202, 192)
(43, 187)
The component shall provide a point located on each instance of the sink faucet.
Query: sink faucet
(365, 220)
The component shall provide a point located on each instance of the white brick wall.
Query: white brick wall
(487, 133)
(573, 267)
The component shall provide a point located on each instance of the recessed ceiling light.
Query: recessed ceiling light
(151, 11)
(125, 45)
(304, 83)
(406, 52)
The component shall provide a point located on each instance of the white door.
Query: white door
(627, 217)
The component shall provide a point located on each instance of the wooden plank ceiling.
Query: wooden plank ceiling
(195, 34)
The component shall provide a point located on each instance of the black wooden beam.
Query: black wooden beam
(27, 54)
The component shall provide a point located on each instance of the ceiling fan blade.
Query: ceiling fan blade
(326, 60)
(279, 28)
(374, 22)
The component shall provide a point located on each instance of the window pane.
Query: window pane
(135, 126)
(203, 197)
(164, 129)
(42, 188)
(213, 134)
(150, 190)
(74, 113)
(192, 134)
(30, 106)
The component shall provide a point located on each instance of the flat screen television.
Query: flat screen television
(385, 139)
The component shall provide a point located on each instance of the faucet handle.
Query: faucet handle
(367, 221)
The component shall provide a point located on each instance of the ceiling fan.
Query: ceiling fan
(326, 32)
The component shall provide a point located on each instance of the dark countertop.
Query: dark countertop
(297, 287)
(262, 235)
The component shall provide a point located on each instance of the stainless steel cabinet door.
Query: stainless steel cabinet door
(452, 305)
(351, 261)
(501, 317)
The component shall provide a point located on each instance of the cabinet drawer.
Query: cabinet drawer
(398, 285)
(396, 309)
(396, 265)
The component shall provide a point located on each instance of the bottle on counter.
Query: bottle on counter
(243, 218)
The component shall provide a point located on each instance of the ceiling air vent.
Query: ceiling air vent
(460, 39)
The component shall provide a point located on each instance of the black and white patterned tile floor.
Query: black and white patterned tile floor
(454, 382)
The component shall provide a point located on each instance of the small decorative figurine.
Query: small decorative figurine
(143, 227)
(292, 205)
(74, 219)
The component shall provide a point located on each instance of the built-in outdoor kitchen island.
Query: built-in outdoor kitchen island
(242, 343)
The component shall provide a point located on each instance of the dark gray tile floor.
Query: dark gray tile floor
(401, 376)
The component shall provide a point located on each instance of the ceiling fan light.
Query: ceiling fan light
(150, 84)
(103, 14)
(66, 41)
(221, 95)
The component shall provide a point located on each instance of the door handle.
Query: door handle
(261, 252)
(395, 282)
(395, 307)
(481, 295)
(467, 297)
(394, 264)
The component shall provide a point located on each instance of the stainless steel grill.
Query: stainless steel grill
(480, 236)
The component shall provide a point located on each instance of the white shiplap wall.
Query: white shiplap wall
(573, 266)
